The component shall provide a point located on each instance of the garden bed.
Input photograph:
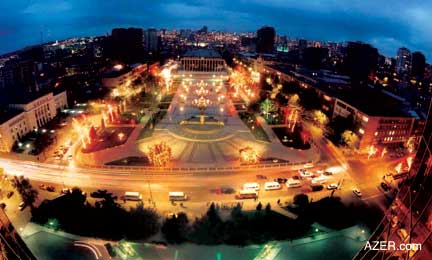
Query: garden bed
(292, 139)
(255, 128)
(109, 138)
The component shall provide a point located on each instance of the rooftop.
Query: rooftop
(206, 53)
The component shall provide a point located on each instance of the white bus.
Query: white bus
(132, 195)
(177, 196)
(251, 186)
(292, 183)
(272, 185)
(247, 194)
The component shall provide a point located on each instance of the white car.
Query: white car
(332, 186)
(357, 192)
(306, 174)
(320, 180)
(21, 206)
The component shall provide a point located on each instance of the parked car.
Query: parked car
(332, 186)
(22, 205)
(9, 194)
(306, 174)
(281, 180)
(227, 190)
(50, 188)
(296, 177)
(357, 192)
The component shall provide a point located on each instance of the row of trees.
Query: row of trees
(106, 219)
(241, 229)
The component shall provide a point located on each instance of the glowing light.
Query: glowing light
(159, 154)
(383, 152)
(409, 161)
(372, 150)
(248, 155)
(398, 167)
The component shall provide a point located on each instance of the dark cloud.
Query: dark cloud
(386, 24)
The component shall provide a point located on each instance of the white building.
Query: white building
(27, 116)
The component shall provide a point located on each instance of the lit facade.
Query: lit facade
(29, 116)
(411, 209)
(202, 61)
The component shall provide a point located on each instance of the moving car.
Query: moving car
(132, 195)
(50, 188)
(319, 180)
(261, 177)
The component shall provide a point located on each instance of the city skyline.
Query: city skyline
(23, 22)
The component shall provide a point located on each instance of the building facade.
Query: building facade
(202, 60)
(409, 218)
(29, 116)
(12, 247)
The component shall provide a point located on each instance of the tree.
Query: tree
(175, 228)
(320, 118)
(268, 208)
(350, 139)
(236, 212)
(141, 223)
(267, 107)
(259, 206)
(301, 200)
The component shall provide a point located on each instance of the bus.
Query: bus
(132, 195)
(247, 194)
(177, 196)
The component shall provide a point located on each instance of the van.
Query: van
(272, 185)
(132, 195)
(292, 183)
(251, 186)
(177, 196)
(247, 194)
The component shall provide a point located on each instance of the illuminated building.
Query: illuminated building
(403, 60)
(409, 217)
(11, 245)
(28, 114)
(202, 60)
(265, 39)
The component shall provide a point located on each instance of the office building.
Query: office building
(403, 61)
(265, 39)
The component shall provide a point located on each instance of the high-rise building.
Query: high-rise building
(409, 217)
(151, 41)
(361, 59)
(265, 39)
(418, 64)
(11, 245)
(127, 44)
(403, 60)
(302, 44)
(18, 74)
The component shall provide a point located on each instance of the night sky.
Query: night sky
(387, 24)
